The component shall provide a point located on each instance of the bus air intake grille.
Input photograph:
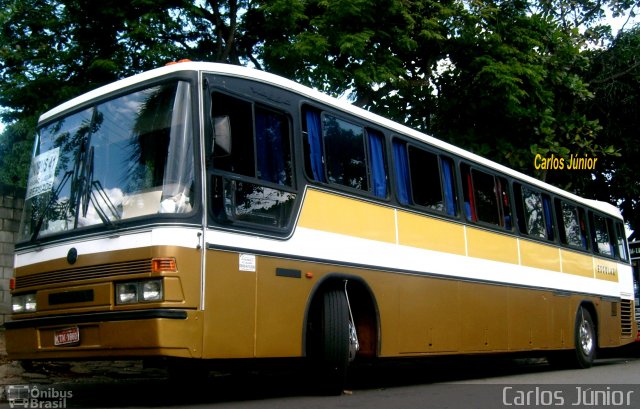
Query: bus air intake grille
(626, 315)
(99, 271)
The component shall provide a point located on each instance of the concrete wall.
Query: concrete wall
(11, 204)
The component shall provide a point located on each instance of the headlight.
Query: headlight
(23, 303)
(139, 291)
(152, 290)
(126, 293)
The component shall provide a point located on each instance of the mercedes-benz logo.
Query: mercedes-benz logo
(72, 255)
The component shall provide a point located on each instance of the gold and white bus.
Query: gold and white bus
(207, 212)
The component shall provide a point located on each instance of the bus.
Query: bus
(634, 251)
(202, 212)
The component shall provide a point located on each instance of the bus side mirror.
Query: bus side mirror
(221, 135)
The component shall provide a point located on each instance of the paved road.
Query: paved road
(441, 383)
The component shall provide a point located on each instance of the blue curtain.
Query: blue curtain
(546, 204)
(314, 135)
(270, 149)
(378, 172)
(401, 166)
(449, 192)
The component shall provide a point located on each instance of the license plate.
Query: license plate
(66, 336)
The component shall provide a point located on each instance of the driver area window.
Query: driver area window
(251, 163)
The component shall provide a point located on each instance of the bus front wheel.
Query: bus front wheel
(334, 351)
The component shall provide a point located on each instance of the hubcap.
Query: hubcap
(586, 337)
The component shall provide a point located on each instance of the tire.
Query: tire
(334, 345)
(585, 339)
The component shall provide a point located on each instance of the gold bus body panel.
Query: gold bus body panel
(538, 255)
(97, 273)
(113, 339)
(260, 313)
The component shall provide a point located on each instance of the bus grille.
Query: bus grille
(626, 315)
(84, 273)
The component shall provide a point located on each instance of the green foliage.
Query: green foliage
(614, 77)
(15, 152)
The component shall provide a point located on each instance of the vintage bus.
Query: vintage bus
(202, 212)
(634, 251)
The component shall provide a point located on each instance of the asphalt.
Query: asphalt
(70, 372)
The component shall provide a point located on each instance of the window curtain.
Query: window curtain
(470, 206)
(314, 135)
(270, 149)
(546, 204)
(447, 180)
(402, 171)
(378, 174)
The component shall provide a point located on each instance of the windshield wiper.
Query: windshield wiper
(88, 194)
(96, 203)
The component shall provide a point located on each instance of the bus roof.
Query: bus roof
(267, 78)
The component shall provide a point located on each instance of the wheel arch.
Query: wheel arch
(363, 304)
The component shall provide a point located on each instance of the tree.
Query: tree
(53, 50)
(614, 77)
(513, 89)
(505, 79)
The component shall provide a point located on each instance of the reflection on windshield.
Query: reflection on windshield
(124, 158)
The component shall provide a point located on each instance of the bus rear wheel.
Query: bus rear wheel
(585, 339)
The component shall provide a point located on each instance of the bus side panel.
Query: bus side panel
(530, 320)
(283, 292)
(608, 328)
(485, 323)
(230, 307)
(423, 317)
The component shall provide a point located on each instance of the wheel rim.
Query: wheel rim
(586, 336)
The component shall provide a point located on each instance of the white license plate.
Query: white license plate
(66, 336)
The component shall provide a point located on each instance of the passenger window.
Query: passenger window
(336, 151)
(425, 179)
(621, 240)
(533, 213)
(574, 225)
(345, 153)
(486, 197)
(601, 236)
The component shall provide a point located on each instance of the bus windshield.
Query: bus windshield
(123, 158)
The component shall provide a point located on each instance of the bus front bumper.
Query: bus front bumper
(105, 335)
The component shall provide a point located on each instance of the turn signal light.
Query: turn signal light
(160, 264)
